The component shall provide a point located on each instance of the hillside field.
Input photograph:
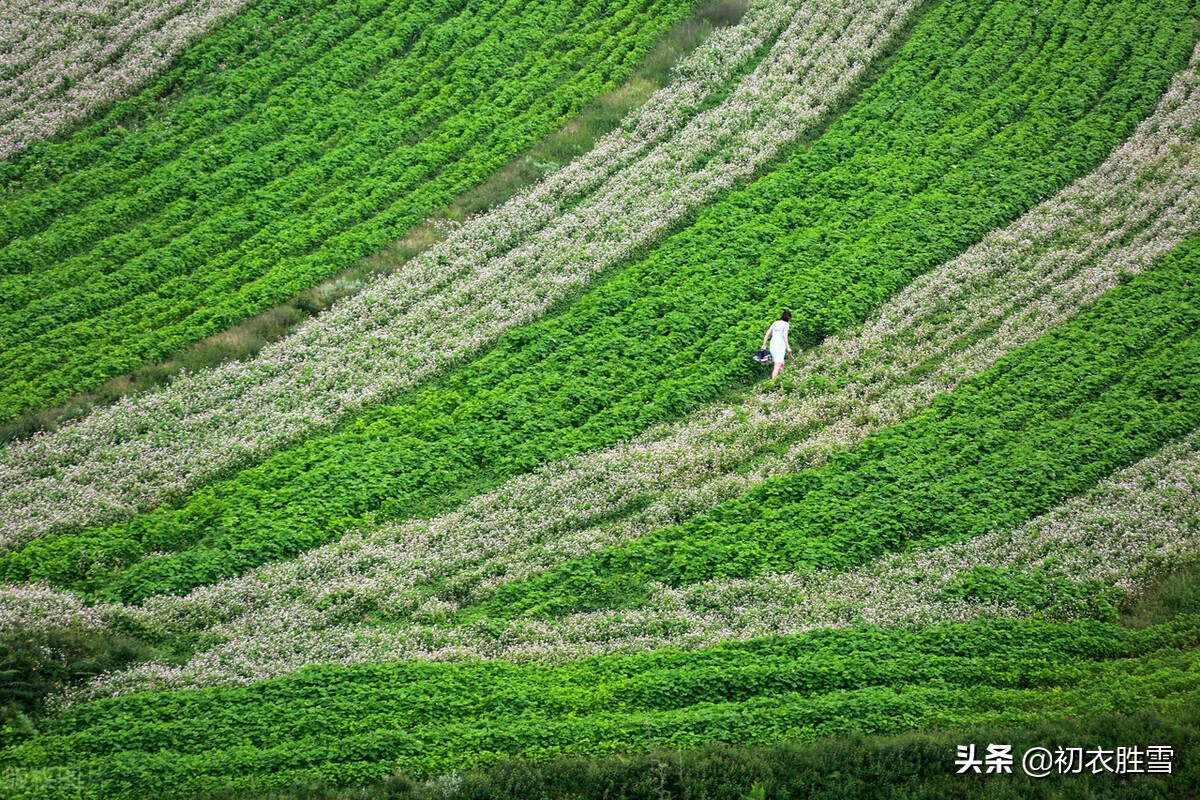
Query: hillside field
(378, 416)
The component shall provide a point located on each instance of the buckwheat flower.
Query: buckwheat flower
(507, 267)
(1015, 285)
(60, 60)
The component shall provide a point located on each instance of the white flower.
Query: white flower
(64, 58)
(506, 267)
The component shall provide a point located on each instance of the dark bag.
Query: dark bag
(763, 357)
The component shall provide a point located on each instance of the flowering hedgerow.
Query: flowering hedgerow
(464, 292)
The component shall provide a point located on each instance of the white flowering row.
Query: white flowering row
(1135, 525)
(1014, 286)
(496, 272)
(32, 608)
(1138, 523)
(62, 59)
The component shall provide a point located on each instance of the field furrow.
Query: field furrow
(62, 61)
(147, 448)
(389, 114)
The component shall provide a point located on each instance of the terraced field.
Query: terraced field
(528, 499)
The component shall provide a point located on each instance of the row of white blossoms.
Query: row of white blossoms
(496, 272)
(1016, 285)
(62, 59)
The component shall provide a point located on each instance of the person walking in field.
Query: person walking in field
(778, 335)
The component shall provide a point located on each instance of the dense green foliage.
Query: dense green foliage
(1044, 424)
(982, 109)
(297, 139)
(34, 664)
(353, 724)
(1008, 682)
(986, 109)
(1039, 591)
(244, 340)
(894, 767)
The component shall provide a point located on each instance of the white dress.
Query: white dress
(779, 332)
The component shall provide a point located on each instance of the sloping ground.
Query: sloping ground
(513, 408)
(851, 766)
(1044, 424)
(293, 141)
(359, 723)
(62, 61)
(842, 551)
(671, 156)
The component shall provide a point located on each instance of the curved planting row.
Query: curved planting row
(1013, 287)
(513, 408)
(1081, 559)
(1044, 424)
(353, 724)
(1081, 320)
(60, 61)
(294, 157)
(147, 448)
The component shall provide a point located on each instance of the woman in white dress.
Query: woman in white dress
(778, 334)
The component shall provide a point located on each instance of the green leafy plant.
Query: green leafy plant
(280, 150)
(1044, 424)
(889, 191)
(352, 725)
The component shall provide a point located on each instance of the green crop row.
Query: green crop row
(854, 767)
(352, 724)
(1002, 107)
(277, 164)
(1044, 424)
